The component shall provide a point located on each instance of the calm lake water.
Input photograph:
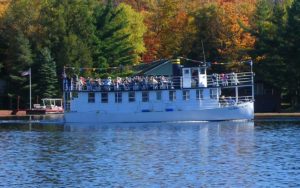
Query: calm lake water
(48, 153)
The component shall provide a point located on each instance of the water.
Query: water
(215, 154)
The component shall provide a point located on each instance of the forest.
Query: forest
(47, 35)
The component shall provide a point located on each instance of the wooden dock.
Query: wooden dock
(276, 115)
(7, 113)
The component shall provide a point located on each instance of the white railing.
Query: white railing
(231, 79)
(231, 101)
(155, 82)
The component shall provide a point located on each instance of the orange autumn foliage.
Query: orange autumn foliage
(236, 41)
(3, 6)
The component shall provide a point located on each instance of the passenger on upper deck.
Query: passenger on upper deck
(215, 79)
(224, 78)
(234, 79)
(107, 83)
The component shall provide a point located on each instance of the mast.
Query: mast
(30, 88)
(204, 60)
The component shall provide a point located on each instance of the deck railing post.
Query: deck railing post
(252, 80)
(63, 83)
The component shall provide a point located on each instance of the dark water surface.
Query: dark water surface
(263, 153)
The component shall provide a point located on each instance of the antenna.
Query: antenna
(203, 52)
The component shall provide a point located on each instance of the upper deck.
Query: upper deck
(143, 83)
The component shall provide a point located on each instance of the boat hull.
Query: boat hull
(243, 111)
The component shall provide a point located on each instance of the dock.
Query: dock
(277, 115)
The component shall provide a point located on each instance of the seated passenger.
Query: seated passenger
(231, 101)
(223, 101)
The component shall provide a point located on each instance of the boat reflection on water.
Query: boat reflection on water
(198, 150)
(213, 125)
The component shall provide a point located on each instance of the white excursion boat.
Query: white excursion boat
(182, 94)
(49, 106)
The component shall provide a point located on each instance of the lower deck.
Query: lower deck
(153, 100)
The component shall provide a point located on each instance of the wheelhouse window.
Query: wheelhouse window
(131, 96)
(172, 95)
(186, 95)
(158, 95)
(118, 97)
(91, 97)
(104, 97)
(145, 96)
(199, 94)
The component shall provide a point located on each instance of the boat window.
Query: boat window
(91, 97)
(213, 93)
(118, 97)
(131, 96)
(104, 97)
(186, 95)
(145, 96)
(158, 95)
(172, 95)
(199, 94)
(202, 71)
(186, 71)
(75, 94)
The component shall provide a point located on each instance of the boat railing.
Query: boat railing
(232, 100)
(231, 79)
(157, 82)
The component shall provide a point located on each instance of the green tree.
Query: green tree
(20, 59)
(292, 55)
(111, 46)
(135, 28)
(47, 78)
(17, 25)
(67, 28)
(267, 24)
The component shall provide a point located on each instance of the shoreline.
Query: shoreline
(277, 115)
(13, 113)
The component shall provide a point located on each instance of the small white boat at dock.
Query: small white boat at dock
(49, 106)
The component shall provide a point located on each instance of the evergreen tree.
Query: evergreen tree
(2, 55)
(135, 29)
(68, 31)
(48, 81)
(268, 23)
(21, 59)
(111, 46)
(292, 54)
